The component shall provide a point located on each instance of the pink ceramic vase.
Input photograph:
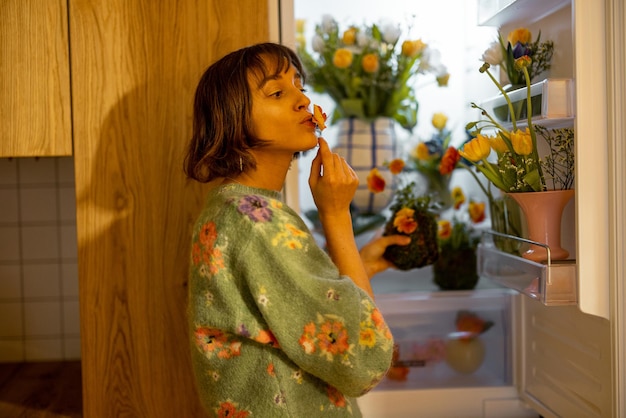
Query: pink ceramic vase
(543, 212)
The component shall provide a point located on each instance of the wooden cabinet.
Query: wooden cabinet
(35, 109)
(135, 66)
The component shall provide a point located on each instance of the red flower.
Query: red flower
(375, 181)
(449, 160)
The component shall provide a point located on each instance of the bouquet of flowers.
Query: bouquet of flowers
(436, 159)
(519, 43)
(367, 71)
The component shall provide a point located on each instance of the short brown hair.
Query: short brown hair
(222, 131)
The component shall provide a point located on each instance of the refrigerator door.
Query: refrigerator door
(565, 361)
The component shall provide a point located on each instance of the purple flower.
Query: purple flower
(520, 50)
(256, 208)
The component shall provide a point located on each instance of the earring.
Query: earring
(240, 164)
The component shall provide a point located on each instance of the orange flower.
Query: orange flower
(396, 166)
(449, 160)
(375, 181)
(370, 63)
(319, 117)
(471, 323)
(444, 229)
(404, 221)
(476, 211)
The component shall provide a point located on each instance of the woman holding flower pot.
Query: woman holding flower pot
(278, 327)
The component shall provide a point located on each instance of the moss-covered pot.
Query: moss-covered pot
(455, 269)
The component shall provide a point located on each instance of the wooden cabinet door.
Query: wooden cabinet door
(135, 66)
(35, 116)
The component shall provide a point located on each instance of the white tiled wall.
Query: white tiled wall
(39, 316)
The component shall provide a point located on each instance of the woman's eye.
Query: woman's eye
(278, 93)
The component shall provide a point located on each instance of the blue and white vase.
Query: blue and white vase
(367, 144)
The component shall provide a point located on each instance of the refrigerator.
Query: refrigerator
(557, 350)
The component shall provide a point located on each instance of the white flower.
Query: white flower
(493, 55)
(317, 43)
(328, 24)
(391, 33)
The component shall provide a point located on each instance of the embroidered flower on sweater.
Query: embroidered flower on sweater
(256, 208)
(289, 236)
(214, 342)
(336, 397)
(229, 409)
(205, 254)
(329, 335)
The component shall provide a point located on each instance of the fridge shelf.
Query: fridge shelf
(504, 12)
(552, 282)
(552, 104)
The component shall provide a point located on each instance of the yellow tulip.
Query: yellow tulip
(476, 149)
(497, 144)
(370, 63)
(342, 58)
(458, 197)
(521, 35)
(412, 48)
(421, 152)
(349, 36)
(300, 25)
(522, 142)
(439, 120)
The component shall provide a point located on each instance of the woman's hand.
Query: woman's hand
(332, 182)
(372, 252)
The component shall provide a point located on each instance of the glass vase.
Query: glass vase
(506, 219)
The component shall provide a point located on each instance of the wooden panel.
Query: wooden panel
(34, 79)
(135, 65)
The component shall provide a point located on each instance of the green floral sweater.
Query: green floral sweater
(275, 330)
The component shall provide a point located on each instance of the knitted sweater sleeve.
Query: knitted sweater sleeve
(284, 291)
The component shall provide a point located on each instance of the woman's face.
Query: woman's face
(280, 112)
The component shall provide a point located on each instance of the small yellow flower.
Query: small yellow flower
(522, 142)
(521, 62)
(458, 197)
(477, 149)
(444, 229)
(349, 36)
(370, 63)
(421, 152)
(412, 48)
(442, 80)
(439, 120)
(521, 35)
(342, 58)
(300, 25)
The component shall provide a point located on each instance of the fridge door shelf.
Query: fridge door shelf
(552, 104)
(504, 12)
(552, 282)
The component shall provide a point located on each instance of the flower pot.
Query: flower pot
(543, 212)
(465, 355)
(455, 269)
(367, 144)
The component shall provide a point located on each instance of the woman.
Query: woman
(279, 327)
